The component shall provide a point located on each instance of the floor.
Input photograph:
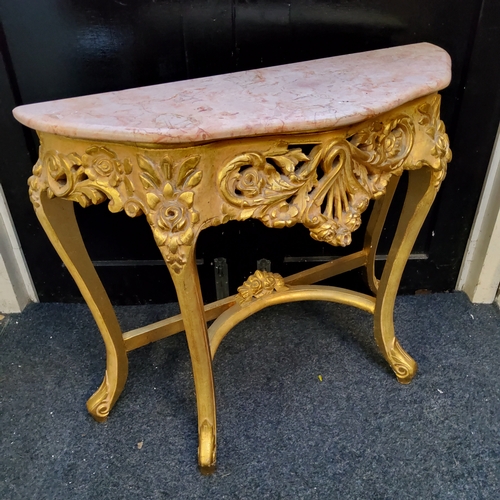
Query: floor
(307, 408)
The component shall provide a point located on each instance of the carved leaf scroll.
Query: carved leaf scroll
(435, 130)
(98, 175)
(326, 190)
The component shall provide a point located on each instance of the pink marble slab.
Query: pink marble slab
(312, 95)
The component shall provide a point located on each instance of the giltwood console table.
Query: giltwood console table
(198, 153)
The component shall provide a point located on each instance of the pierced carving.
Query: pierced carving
(326, 190)
(258, 285)
(98, 175)
(88, 179)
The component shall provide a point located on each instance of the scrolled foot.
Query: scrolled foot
(404, 366)
(206, 448)
(100, 403)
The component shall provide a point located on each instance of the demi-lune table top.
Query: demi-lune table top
(300, 97)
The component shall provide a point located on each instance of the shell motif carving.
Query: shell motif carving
(98, 175)
(326, 190)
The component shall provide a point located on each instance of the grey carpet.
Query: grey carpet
(282, 433)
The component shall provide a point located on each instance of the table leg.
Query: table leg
(188, 290)
(59, 222)
(422, 190)
(374, 231)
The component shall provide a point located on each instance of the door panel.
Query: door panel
(59, 48)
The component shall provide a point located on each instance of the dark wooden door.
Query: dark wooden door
(60, 48)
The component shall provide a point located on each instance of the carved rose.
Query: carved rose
(251, 182)
(393, 143)
(435, 129)
(101, 164)
(282, 215)
(253, 287)
(104, 167)
(259, 284)
(172, 217)
(169, 204)
(331, 233)
(441, 147)
(338, 232)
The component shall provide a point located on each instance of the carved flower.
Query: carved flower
(386, 145)
(252, 287)
(104, 167)
(331, 233)
(250, 182)
(101, 164)
(172, 217)
(259, 284)
(281, 215)
(393, 143)
(168, 203)
(441, 147)
(338, 232)
(435, 129)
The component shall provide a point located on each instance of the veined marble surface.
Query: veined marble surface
(312, 95)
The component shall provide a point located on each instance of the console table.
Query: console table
(310, 143)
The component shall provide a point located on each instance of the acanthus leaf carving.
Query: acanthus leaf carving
(436, 131)
(98, 175)
(169, 204)
(326, 190)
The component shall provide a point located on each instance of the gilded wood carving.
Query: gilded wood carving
(326, 189)
(436, 131)
(165, 194)
(325, 186)
(258, 285)
(329, 189)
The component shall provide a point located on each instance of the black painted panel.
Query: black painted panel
(60, 48)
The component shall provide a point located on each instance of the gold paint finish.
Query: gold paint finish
(237, 313)
(258, 285)
(184, 189)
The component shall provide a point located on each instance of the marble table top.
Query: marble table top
(306, 96)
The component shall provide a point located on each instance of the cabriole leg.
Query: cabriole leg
(374, 230)
(188, 290)
(58, 220)
(421, 193)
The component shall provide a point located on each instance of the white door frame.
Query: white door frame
(16, 285)
(479, 275)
